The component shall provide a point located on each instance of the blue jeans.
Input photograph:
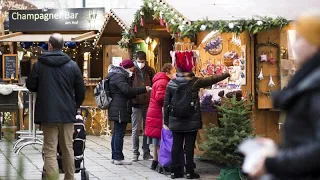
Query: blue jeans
(119, 130)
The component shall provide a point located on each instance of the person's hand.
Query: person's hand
(148, 88)
(259, 170)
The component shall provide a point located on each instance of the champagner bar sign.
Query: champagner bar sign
(73, 19)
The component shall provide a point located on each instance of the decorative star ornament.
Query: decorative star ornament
(125, 40)
(173, 36)
(154, 17)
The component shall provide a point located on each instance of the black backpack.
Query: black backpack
(183, 105)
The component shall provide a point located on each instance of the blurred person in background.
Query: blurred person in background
(299, 155)
(154, 114)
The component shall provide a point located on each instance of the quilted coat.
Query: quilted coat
(154, 114)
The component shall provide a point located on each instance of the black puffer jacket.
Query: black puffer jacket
(299, 155)
(194, 123)
(122, 94)
(59, 86)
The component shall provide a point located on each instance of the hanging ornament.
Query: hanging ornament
(261, 75)
(155, 8)
(259, 23)
(161, 19)
(271, 83)
(263, 57)
(167, 27)
(203, 27)
(141, 21)
(135, 28)
(178, 34)
(181, 27)
(272, 60)
(231, 25)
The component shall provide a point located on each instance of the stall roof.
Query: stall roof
(117, 20)
(21, 37)
(241, 9)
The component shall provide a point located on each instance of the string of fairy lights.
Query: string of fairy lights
(35, 49)
(105, 129)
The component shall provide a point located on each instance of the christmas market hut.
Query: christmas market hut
(251, 40)
(29, 31)
(118, 20)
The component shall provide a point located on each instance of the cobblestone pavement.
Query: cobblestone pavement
(97, 162)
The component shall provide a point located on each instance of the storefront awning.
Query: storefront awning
(21, 37)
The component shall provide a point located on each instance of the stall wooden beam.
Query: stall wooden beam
(109, 40)
(87, 35)
(11, 35)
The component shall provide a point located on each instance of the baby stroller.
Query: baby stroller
(79, 139)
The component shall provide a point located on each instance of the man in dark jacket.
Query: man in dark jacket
(121, 108)
(185, 130)
(60, 91)
(299, 155)
(142, 77)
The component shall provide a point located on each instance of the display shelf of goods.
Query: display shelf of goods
(214, 46)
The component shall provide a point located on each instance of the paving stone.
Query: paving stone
(97, 162)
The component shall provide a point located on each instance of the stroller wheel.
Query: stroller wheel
(84, 175)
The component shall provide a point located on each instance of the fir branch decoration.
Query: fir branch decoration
(236, 125)
(177, 24)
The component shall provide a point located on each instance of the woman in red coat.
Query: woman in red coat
(154, 114)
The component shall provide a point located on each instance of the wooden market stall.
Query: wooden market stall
(254, 48)
(29, 33)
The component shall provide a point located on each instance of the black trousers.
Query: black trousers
(187, 139)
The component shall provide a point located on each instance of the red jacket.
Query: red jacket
(154, 114)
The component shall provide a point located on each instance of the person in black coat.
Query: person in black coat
(60, 91)
(298, 157)
(120, 109)
(185, 130)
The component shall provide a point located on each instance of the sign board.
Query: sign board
(10, 66)
(73, 19)
(116, 61)
(138, 47)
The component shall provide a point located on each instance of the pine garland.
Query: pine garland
(176, 23)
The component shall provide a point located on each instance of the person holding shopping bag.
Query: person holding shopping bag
(154, 114)
(183, 117)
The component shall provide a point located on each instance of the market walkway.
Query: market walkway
(97, 159)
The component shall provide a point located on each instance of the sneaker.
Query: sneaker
(122, 162)
(135, 158)
(112, 161)
(193, 176)
(147, 156)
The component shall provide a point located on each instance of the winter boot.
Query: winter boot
(176, 172)
(191, 174)
(154, 165)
